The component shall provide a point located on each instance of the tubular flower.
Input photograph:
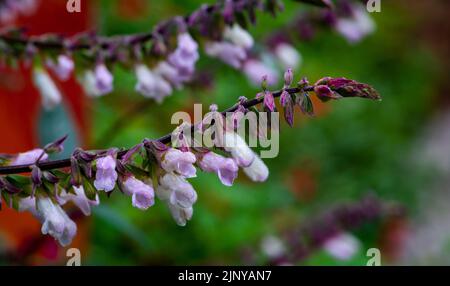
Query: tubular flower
(143, 196)
(229, 53)
(238, 36)
(63, 67)
(238, 149)
(151, 84)
(106, 176)
(29, 157)
(257, 171)
(182, 163)
(225, 168)
(55, 221)
(79, 199)
(50, 94)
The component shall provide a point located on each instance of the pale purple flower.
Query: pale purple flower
(142, 194)
(28, 204)
(257, 171)
(50, 94)
(103, 79)
(238, 36)
(106, 175)
(30, 157)
(229, 53)
(255, 70)
(288, 77)
(225, 168)
(288, 56)
(269, 100)
(175, 190)
(342, 246)
(63, 67)
(55, 221)
(358, 26)
(185, 56)
(151, 84)
(79, 199)
(171, 74)
(174, 160)
(238, 148)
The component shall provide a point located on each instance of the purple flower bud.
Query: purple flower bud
(257, 171)
(288, 77)
(180, 162)
(151, 85)
(79, 199)
(284, 97)
(55, 221)
(63, 67)
(142, 194)
(324, 92)
(106, 176)
(228, 11)
(103, 79)
(229, 53)
(238, 149)
(343, 87)
(269, 101)
(185, 56)
(30, 157)
(225, 168)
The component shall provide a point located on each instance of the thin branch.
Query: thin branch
(166, 139)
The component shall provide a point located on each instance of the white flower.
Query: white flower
(55, 221)
(257, 171)
(150, 84)
(50, 94)
(238, 36)
(342, 246)
(238, 149)
(79, 199)
(106, 175)
(288, 56)
(273, 247)
(28, 204)
(176, 190)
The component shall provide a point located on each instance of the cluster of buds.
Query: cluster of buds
(154, 167)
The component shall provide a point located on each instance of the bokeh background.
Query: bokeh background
(395, 152)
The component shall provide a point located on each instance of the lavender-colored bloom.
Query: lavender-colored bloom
(151, 84)
(288, 56)
(284, 98)
(171, 74)
(225, 168)
(180, 162)
(175, 190)
(106, 176)
(229, 53)
(30, 157)
(103, 79)
(142, 194)
(63, 67)
(273, 247)
(257, 171)
(50, 94)
(79, 199)
(238, 36)
(238, 149)
(185, 56)
(28, 204)
(255, 70)
(55, 221)
(358, 26)
(342, 246)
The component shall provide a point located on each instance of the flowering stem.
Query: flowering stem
(166, 139)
